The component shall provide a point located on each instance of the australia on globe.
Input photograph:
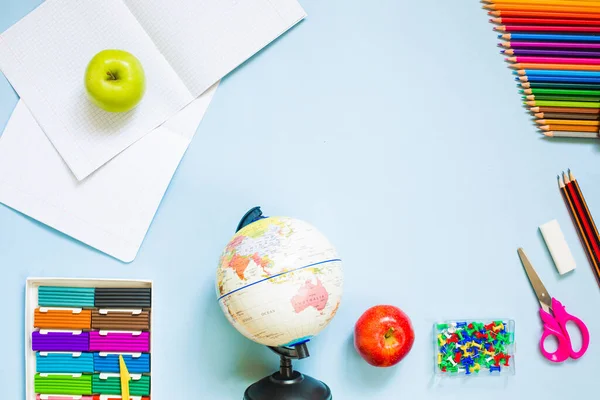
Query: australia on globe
(279, 281)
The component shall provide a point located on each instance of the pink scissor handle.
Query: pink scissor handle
(562, 317)
(556, 325)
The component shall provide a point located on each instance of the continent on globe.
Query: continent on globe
(310, 295)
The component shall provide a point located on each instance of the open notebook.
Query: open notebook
(185, 47)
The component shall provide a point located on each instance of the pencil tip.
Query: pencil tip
(540, 121)
(538, 115)
(545, 128)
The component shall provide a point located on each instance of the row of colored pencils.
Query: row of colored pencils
(554, 48)
(582, 218)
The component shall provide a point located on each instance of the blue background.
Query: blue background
(395, 128)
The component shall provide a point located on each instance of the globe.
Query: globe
(279, 281)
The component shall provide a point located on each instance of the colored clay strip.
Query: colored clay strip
(64, 362)
(120, 342)
(111, 384)
(63, 384)
(62, 319)
(136, 364)
(123, 297)
(117, 397)
(115, 320)
(58, 296)
(60, 341)
(61, 397)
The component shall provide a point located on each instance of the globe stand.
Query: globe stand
(287, 384)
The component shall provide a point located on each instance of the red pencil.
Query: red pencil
(542, 21)
(547, 28)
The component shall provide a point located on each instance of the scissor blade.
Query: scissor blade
(536, 283)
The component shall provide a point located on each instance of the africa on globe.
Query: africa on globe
(279, 281)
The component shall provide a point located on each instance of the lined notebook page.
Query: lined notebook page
(204, 40)
(44, 56)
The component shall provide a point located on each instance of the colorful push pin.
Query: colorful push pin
(451, 361)
(494, 368)
(441, 340)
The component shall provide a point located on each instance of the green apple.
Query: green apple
(115, 80)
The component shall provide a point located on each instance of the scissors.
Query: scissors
(556, 324)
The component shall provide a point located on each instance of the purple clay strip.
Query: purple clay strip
(59, 341)
(120, 342)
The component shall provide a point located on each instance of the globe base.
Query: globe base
(295, 387)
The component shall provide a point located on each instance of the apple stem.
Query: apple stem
(389, 332)
(112, 76)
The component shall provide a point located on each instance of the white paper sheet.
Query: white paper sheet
(112, 209)
(185, 46)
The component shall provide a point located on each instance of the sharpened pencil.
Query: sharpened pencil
(555, 85)
(570, 110)
(576, 3)
(549, 37)
(586, 223)
(555, 67)
(569, 128)
(549, 97)
(566, 92)
(578, 104)
(562, 79)
(549, 45)
(585, 206)
(543, 14)
(553, 60)
(542, 8)
(547, 28)
(547, 121)
(550, 53)
(542, 21)
(565, 116)
(572, 135)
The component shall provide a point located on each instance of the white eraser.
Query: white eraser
(558, 247)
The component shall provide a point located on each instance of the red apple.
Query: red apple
(383, 335)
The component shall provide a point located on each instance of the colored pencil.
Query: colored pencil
(543, 21)
(553, 85)
(570, 110)
(584, 203)
(542, 8)
(577, 221)
(550, 78)
(554, 60)
(569, 128)
(555, 67)
(550, 45)
(567, 92)
(579, 3)
(543, 14)
(557, 73)
(578, 104)
(547, 28)
(549, 97)
(587, 222)
(549, 37)
(553, 47)
(550, 53)
(577, 135)
(567, 116)
(567, 122)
